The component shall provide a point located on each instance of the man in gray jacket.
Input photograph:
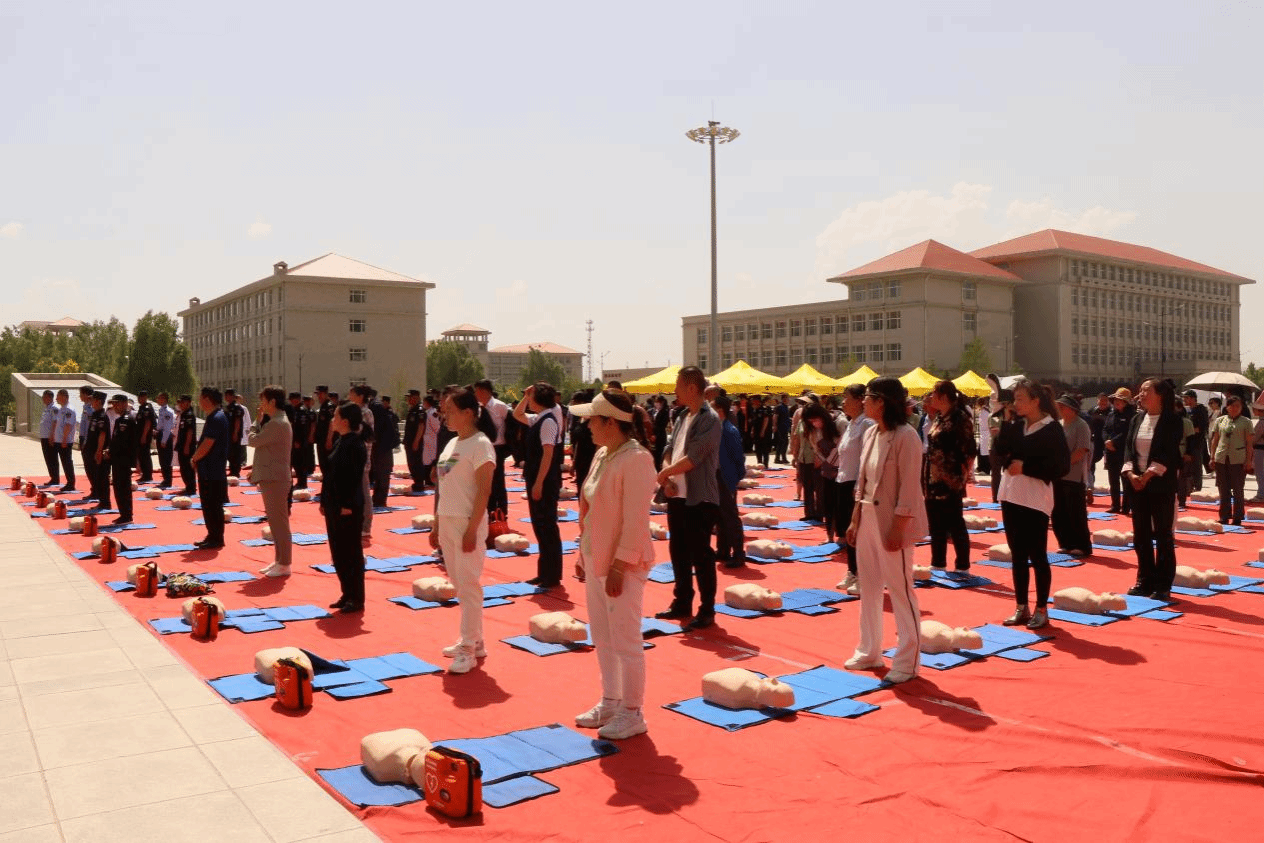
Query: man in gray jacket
(690, 484)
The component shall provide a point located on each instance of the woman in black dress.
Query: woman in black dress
(342, 503)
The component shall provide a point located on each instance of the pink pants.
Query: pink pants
(878, 567)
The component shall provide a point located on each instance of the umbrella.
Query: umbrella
(862, 376)
(972, 385)
(1222, 381)
(919, 382)
(662, 381)
(807, 377)
(742, 377)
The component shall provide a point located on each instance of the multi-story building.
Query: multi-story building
(504, 365)
(331, 320)
(66, 325)
(1064, 306)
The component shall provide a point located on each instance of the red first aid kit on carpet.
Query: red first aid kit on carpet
(205, 619)
(293, 684)
(453, 782)
(147, 580)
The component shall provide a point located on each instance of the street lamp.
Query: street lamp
(711, 134)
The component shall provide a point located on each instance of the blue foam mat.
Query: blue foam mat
(845, 707)
(957, 579)
(407, 531)
(730, 719)
(393, 666)
(367, 688)
(936, 661)
(356, 786)
(662, 573)
(534, 750)
(1023, 654)
(508, 792)
(1081, 618)
(998, 639)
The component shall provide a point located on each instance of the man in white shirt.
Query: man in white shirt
(47, 421)
(499, 411)
(63, 438)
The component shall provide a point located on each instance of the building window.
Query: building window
(727, 358)
(781, 330)
(359, 296)
(812, 356)
(702, 362)
(359, 355)
(893, 320)
(781, 357)
(702, 336)
(1075, 326)
(827, 325)
(765, 359)
(970, 322)
(895, 352)
(827, 356)
(875, 353)
(765, 330)
(740, 332)
(969, 291)
(858, 352)
(840, 322)
(796, 358)
(875, 321)
(752, 332)
(357, 326)
(796, 328)
(857, 323)
(893, 289)
(809, 327)
(726, 334)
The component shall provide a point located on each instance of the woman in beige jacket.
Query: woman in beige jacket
(273, 439)
(615, 556)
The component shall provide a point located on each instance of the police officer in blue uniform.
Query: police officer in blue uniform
(94, 443)
(186, 444)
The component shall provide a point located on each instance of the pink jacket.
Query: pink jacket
(898, 490)
(616, 522)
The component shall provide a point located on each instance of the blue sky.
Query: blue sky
(530, 160)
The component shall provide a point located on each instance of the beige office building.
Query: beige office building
(504, 365)
(332, 320)
(1062, 306)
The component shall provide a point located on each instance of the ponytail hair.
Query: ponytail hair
(638, 428)
(463, 398)
(1042, 394)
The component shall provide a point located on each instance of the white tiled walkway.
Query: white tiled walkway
(106, 736)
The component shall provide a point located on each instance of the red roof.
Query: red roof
(930, 255)
(1052, 240)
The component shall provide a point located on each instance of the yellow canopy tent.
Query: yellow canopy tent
(663, 381)
(742, 377)
(807, 377)
(972, 385)
(919, 382)
(862, 375)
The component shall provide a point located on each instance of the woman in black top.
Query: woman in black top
(950, 448)
(342, 503)
(1152, 458)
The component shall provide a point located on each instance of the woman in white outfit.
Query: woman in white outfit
(463, 485)
(890, 516)
(616, 554)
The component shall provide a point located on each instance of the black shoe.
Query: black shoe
(735, 563)
(535, 581)
(702, 620)
(121, 520)
(350, 608)
(963, 569)
(673, 613)
(1114, 510)
(68, 489)
(338, 604)
(208, 545)
(1139, 590)
(1165, 596)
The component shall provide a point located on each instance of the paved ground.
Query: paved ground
(106, 736)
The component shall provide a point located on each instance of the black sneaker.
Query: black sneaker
(673, 613)
(701, 621)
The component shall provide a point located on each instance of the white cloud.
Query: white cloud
(11, 230)
(961, 219)
(258, 230)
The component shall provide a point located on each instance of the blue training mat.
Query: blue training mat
(957, 579)
(392, 666)
(356, 786)
(417, 604)
(242, 687)
(367, 688)
(731, 719)
(936, 661)
(528, 751)
(998, 639)
(832, 681)
(662, 573)
(845, 707)
(1023, 654)
(508, 792)
(1138, 606)
(540, 648)
(1081, 618)
(407, 531)
(1101, 516)
(512, 589)
(383, 510)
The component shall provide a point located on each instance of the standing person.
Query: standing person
(890, 515)
(64, 438)
(430, 440)
(615, 555)
(382, 455)
(463, 485)
(806, 475)
(1096, 423)
(1152, 458)
(121, 454)
(1231, 454)
(164, 437)
(95, 443)
(1202, 427)
(1037, 458)
(359, 397)
(342, 498)
(582, 447)
(48, 420)
(302, 421)
(322, 435)
(1257, 448)
(1114, 432)
(950, 448)
(821, 431)
(781, 432)
(414, 428)
(147, 423)
(186, 444)
(273, 441)
(86, 456)
(1070, 505)
(210, 460)
(730, 535)
(765, 426)
(688, 480)
(983, 465)
(848, 470)
(1003, 427)
(662, 417)
(543, 475)
(499, 411)
(238, 427)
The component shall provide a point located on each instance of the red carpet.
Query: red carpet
(1135, 730)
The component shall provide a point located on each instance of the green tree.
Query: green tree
(974, 356)
(450, 362)
(1255, 373)
(847, 365)
(542, 366)
(156, 359)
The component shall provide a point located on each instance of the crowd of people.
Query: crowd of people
(877, 471)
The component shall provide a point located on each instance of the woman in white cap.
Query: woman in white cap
(890, 516)
(615, 555)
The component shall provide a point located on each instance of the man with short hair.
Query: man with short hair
(781, 431)
(1070, 511)
(63, 438)
(147, 423)
(1114, 433)
(499, 411)
(321, 434)
(385, 441)
(210, 460)
(360, 395)
(165, 437)
(94, 443)
(121, 455)
(542, 472)
(85, 420)
(689, 481)
(1198, 416)
(302, 421)
(186, 444)
(730, 535)
(238, 427)
(414, 431)
(48, 420)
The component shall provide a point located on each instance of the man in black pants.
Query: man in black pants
(210, 460)
(146, 423)
(543, 475)
(414, 428)
(730, 536)
(186, 444)
(121, 455)
(235, 413)
(301, 421)
(689, 481)
(499, 411)
(324, 416)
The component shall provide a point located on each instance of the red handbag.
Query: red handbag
(497, 525)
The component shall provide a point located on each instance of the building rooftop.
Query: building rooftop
(466, 328)
(337, 266)
(64, 322)
(549, 347)
(1051, 240)
(929, 255)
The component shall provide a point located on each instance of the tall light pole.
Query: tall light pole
(711, 134)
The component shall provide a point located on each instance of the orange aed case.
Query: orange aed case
(147, 580)
(453, 783)
(205, 618)
(293, 684)
(109, 551)
(89, 525)
(59, 509)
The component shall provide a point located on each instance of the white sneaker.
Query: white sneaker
(862, 663)
(850, 584)
(625, 724)
(464, 661)
(451, 651)
(599, 715)
(895, 677)
(275, 570)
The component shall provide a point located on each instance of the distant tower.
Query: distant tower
(590, 354)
